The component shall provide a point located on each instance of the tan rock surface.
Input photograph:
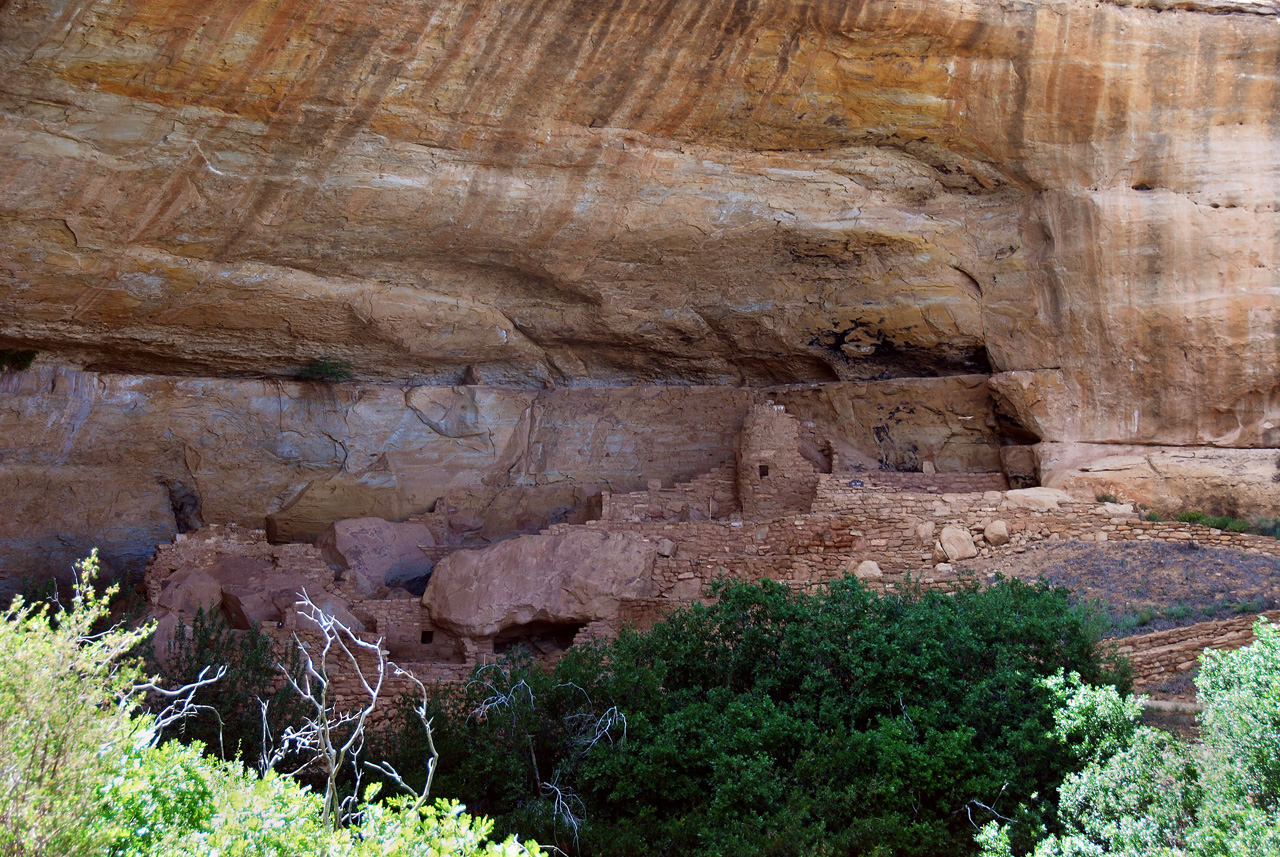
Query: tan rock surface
(996, 533)
(564, 578)
(1035, 499)
(1238, 482)
(98, 459)
(868, 569)
(374, 553)
(594, 193)
(957, 544)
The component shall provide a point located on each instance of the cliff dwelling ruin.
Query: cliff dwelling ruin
(337, 296)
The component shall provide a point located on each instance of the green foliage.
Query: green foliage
(1144, 793)
(229, 719)
(81, 774)
(173, 800)
(1267, 527)
(64, 714)
(777, 722)
(19, 360)
(1262, 526)
(1106, 498)
(323, 369)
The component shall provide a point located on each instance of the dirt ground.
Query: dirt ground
(1147, 586)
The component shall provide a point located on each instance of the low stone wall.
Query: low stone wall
(959, 483)
(1164, 655)
(709, 497)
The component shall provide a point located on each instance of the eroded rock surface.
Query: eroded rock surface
(374, 553)
(569, 578)
(601, 193)
(104, 460)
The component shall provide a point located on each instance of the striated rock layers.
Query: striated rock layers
(755, 192)
(123, 462)
(1077, 199)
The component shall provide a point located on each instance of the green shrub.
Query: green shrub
(81, 774)
(1106, 498)
(229, 719)
(1261, 526)
(19, 360)
(777, 722)
(322, 369)
(64, 718)
(1267, 527)
(1145, 793)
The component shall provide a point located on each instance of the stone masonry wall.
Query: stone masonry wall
(1163, 655)
(774, 478)
(712, 495)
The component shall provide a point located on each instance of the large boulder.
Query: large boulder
(376, 553)
(1034, 499)
(996, 533)
(189, 590)
(957, 544)
(868, 569)
(564, 578)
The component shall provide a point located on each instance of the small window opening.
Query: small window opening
(764, 470)
(428, 636)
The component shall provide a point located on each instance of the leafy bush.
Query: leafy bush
(64, 715)
(322, 369)
(1261, 526)
(778, 722)
(19, 360)
(1144, 793)
(80, 772)
(229, 718)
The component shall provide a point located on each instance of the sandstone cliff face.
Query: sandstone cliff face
(124, 461)
(716, 191)
(1076, 199)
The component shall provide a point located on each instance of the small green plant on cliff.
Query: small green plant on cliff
(19, 360)
(323, 369)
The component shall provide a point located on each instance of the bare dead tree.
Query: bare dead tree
(585, 730)
(181, 702)
(333, 736)
(386, 769)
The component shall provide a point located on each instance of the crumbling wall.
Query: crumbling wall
(1164, 655)
(774, 478)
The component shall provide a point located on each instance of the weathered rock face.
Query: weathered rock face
(373, 553)
(1240, 482)
(121, 462)
(1078, 199)
(535, 582)
(710, 191)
